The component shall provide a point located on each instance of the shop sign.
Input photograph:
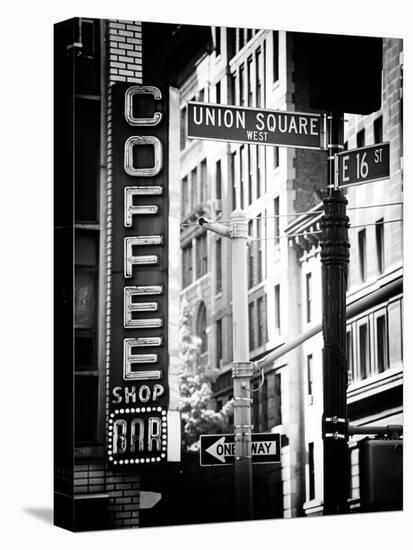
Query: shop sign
(137, 387)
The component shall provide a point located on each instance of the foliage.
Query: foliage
(195, 379)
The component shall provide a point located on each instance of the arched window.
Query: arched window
(201, 325)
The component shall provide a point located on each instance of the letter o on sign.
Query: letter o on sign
(128, 159)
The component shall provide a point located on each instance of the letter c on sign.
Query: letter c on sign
(143, 121)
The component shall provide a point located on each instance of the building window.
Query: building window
(241, 38)
(187, 265)
(361, 138)
(350, 362)
(183, 129)
(277, 222)
(249, 174)
(233, 89)
(364, 351)
(250, 83)
(378, 130)
(218, 265)
(277, 309)
(185, 196)
(203, 186)
(380, 245)
(262, 320)
(86, 367)
(277, 395)
(260, 246)
(308, 296)
(311, 472)
(261, 181)
(219, 342)
(201, 327)
(194, 188)
(395, 317)
(242, 93)
(275, 51)
(231, 39)
(87, 159)
(87, 38)
(218, 92)
(310, 374)
(201, 255)
(259, 170)
(258, 77)
(217, 41)
(362, 254)
(250, 252)
(264, 405)
(218, 180)
(242, 174)
(233, 182)
(381, 344)
(255, 406)
(276, 157)
(251, 318)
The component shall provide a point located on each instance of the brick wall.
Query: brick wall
(124, 40)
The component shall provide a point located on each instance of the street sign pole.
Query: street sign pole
(242, 369)
(334, 260)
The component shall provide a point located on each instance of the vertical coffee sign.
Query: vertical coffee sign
(138, 369)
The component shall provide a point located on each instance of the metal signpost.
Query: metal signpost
(219, 449)
(334, 265)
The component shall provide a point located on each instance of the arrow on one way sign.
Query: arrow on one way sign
(220, 449)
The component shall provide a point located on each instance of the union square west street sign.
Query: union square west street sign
(250, 125)
(219, 449)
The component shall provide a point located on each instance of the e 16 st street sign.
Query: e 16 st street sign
(364, 165)
(219, 449)
(250, 125)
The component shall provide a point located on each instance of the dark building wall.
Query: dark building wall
(310, 166)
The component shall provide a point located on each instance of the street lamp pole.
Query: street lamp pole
(334, 260)
(242, 368)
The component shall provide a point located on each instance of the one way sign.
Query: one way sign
(219, 449)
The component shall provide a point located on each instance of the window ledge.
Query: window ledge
(375, 384)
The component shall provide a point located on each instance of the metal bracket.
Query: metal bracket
(244, 426)
(242, 401)
(335, 435)
(335, 427)
(336, 172)
(334, 419)
(239, 230)
(243, 369)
